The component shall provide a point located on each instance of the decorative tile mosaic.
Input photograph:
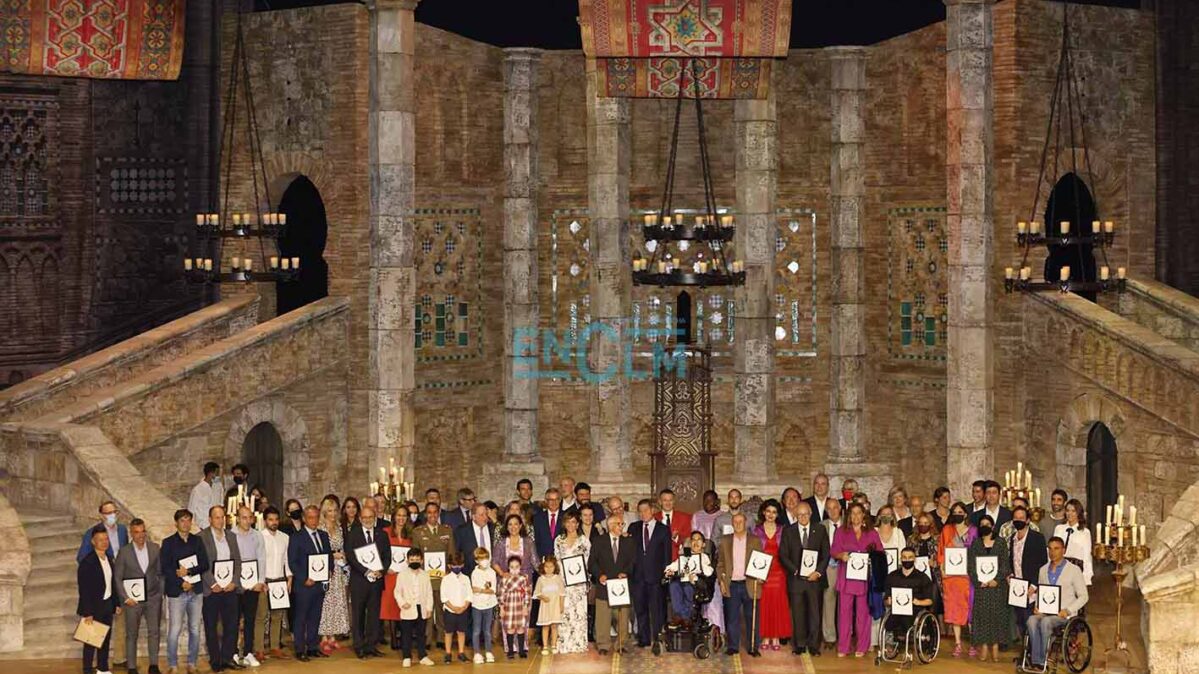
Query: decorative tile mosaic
(141, 186)
(28, 169)
(917, 283)
(448, 263)
(570, 264)
(795, 283)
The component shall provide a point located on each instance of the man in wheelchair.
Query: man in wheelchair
(1073, 598)
(906, 576)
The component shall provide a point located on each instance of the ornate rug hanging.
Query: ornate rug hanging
(659, 77)
(713, 28)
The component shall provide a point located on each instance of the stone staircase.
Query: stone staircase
(50, 593)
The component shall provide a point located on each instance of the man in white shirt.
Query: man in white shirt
(566, 487)
(207, 493)
(274, 567)
(818, 497)
(139, 560)
(992, 508)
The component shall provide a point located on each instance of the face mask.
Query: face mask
(847, 494)
(1019, 524)
(415, 566)
(110, 519)
(456, 569)
(294, 514)
(886, 519)
(484, 563)
(924, 528)
(908, 563)
(985, 531)
(239, 479)
(955, 519)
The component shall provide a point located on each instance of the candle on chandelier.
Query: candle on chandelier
(295, 263)
(726, 221)
(1104, 273)
(700, 221)
(1025, 273)
(1109, 226)
(236, 262)
(1095, 225)
(649, 219)
(1098, 531)
(1021, 226)
(236, 219)
(1036, 498)
(187, 264)
(201, 218)
(286, 264)
(1132, 515)
(1027, 478)
(1120, 536)
(214, 219)
(1120, 273)
(247, 264)
(382, 474)
(1108, 519)
(1065, 273)
(1065, 224)
(1034, 227)
(208, 264)
(282, 218)
(1008, 273)
(246, 219)
(374, 488)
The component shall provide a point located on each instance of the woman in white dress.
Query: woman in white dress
(572, 631)
(1077, 535)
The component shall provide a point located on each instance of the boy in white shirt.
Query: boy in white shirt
(455, 600)
(482, 606)
(414, 595)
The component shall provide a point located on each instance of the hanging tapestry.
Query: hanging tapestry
(714, 28)
(103, 39)
(659, 77)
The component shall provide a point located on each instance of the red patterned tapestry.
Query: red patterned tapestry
(106, 39)
(653, 28)
(659, 77)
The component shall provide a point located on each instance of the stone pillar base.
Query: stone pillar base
(499, 480)
(874, 479)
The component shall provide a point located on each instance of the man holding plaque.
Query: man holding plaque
(139, 589)
(221, 591)
(1028, 552)
(613, 557)
(740, 593)
(1068, 584)
(308, 550)
(250, 545)
(183, 560)
(370, 557)
(436, 540)
(804, 554)
(909, 586)
(273, 568)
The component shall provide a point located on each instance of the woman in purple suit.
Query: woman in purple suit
(853, 610)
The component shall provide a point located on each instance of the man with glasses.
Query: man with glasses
(456, 517)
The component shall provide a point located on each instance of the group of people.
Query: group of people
(565, 572)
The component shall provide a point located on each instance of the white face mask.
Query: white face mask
(412, 516)
(110, 519)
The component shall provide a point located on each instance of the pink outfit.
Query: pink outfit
(853, 610)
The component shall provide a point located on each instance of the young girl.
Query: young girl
(455, 599)
(482, 606)
(515, 599)
(414, 594)
(550, 591)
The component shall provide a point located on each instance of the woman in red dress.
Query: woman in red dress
(398, 533)
(775, 610)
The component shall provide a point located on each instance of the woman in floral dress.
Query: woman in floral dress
(335, 612)
(572, 633)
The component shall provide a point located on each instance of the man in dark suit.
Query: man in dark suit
(366, 584)
(805, 586)
(308, 595)
(1028, 552)
(613, 556)
(652, 541)
(547, 522)
(118, 537)
(97, 596)
(991, 506)
(456, 517)
(818, 498)
(140, 560)
(790, 500)
(583, 500)
(478, 532)
(221, 590)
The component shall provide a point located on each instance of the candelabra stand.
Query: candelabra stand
(1030, 496)
(1119, 549)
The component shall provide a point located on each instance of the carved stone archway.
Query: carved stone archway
(297, 455)
(1073, 431)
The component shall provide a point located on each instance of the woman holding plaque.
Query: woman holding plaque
(775, 606)
(853, 610)
(989, 569)
(956, 590)
(925, 541)
(572, 632)
(1077, 536)
(398, 535)
(335, 612)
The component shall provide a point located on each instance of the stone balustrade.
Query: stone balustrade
(1169, 312)
(15, 563)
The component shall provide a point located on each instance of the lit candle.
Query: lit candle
(201, 218)
(274, 262)
(1132, 515)
(1027, 478)
(1008, 272)
(382, 474)
(1065, 227)
(1109, 226)
(1095, 224)
(236, 262)
(231, 505)
(401, 473)
(666, 221)
(1120, 536)
(187, 263)
(1065, 273)
(1134, 537)
(374, 488)
(286, 264)
(282, 218)
(1104, 273)
(1025, 273)
(236, 219)
(1021, 226)
(247, 264)
(1143, 539)
(1007, 478)
(295, 263)
(726, 220)
(699, 221)
(1120, 272)
(661, 267)
(1109, 515)
(1036, 498)
(649, 220)
(246, 219)
(1098, 530)
(208, 264)
(1034, 227)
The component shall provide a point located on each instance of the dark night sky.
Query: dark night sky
(552, 24)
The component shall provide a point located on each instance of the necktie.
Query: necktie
(645, 537)
(369, 538)
(615, 549)
(1069, 533)
(667, 520)
(316, 541)
(553, 525)
(803, 536)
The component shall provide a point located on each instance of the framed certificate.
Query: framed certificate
(955, 562)
(901, 601)
(399, 557)
(222, 572)
(618, 591)
(135, 589)
(986, 568)
(318, 568)
(1017, 593)
(276, 592)
(435, 563)
(187, 564)
(368, 556)
(574, 570)
(758, 565)
(858, 566)
(807, 562)
(892, 559)
(690, 564)
(726, 530)
(250, 577)
(923, 567)
(1049, 599)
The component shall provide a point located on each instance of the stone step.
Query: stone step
(50, 606)
(60, 545)
(51, 580)
(64, 651)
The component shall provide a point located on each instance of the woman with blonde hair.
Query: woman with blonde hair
(335, 612)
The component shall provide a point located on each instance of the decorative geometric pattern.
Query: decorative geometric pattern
(28, 172)
(570, 263)
(141, 186)
(917, 283)
(110, 39)
(659, 77)
(717, 28)
(448, 264)
(795, 283)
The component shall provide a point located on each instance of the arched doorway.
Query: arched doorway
(262, 452)
(304, 238)
(1102, 471)
(1071, 201)
(682, 320)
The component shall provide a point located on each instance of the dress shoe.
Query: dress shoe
(814, 653)
(360, 654)
(320, 654)
(154, 670)
(755, 654)
(603, 651)
(374, 653)
(729, 651)
(303, 657)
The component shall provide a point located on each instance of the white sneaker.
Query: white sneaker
(236, 659)
(103, 671)
(490, 656)
(426, 661)
(250, 661)
(406, 663)
(478, 658)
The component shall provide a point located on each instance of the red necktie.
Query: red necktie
(553, 525)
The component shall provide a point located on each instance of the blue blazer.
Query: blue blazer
(86, 546)
(454, 517)
(299, 547)
(464, 542)
(541, 531)
(652, 560)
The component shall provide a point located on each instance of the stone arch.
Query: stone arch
(297, 454)
(1073, 431)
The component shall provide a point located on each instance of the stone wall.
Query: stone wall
(1168, 312)
(15, 564)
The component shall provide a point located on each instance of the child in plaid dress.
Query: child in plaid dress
(516, 598)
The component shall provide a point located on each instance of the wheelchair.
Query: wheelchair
(696, 635)
(922, 641)
(1070, 645)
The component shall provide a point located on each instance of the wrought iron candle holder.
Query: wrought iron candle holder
(1124, 546)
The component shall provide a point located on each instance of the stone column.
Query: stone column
(611, 283)
(756, 131)
(392, 157)
(970, 175)
(521, 457)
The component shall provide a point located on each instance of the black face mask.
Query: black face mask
(239, 479)
(294, 514)
(909, 563)
(955, 519)
(415, 566)
(985, 531)
(1019, 524)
